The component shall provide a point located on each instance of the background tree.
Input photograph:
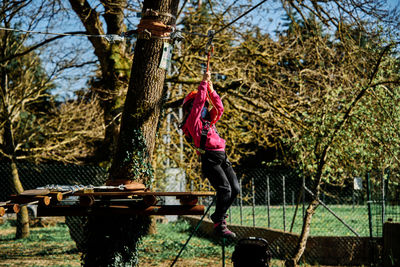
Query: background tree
(34, 126)
(300, 94)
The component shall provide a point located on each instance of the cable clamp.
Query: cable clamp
(210, 35)
(176, 36)
(113, 38)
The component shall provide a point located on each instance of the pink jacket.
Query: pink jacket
(194, 123)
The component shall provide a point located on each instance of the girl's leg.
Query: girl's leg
(233, 181)
(212, 169)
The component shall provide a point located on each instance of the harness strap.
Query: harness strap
(204, 132)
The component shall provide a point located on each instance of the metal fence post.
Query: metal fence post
(383, 199)
(353, 196)
(254, 201)
(268, 202)
(369, 205)
(304, 194)
(284, 203)
(241, 201)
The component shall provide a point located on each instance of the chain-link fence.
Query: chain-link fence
(272, 204)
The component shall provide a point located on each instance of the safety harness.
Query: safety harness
(203, 139)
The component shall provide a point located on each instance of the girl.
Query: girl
(199, 127)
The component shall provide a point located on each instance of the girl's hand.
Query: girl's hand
(207, 76)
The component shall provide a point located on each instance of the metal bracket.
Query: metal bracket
(210, 35)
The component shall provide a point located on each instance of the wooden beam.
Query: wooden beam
(120, 210)
(28, 199)
(144, 193)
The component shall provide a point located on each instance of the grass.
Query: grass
(323, 222)
(52, 246)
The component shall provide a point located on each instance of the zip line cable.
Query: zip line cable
(116, 37)
(241, 16)
(53, 33)
(226, 26)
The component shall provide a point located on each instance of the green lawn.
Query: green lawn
(323, 222)
(52, 246)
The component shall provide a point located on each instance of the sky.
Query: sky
(268, 17)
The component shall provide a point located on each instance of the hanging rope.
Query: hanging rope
(210, 51)
(151, 29)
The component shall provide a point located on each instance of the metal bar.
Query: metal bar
(304, 195)
(352, 196)
(332, 212)
(284, 203)
(383, 199)
(253, 202)
(241, 202)
(268, 203)
(223, 252)
(369, 205)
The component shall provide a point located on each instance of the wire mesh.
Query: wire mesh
(272, 204)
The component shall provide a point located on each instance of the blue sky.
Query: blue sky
(269, 22)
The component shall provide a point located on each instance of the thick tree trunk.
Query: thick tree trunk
(112, 241)
(142, 106)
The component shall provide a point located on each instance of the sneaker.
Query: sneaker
(222, 230)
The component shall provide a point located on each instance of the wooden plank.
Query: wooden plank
(4, 203)
(27, 199)
(144, 193)
(35, 192)
(120, 210)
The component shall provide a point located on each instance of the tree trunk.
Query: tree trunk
(142, 106)
(114, 65)
(305, 232)
(112, 241)
(22, 229)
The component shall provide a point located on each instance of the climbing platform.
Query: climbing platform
(123, 199)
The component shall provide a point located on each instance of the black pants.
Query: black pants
(218, 170)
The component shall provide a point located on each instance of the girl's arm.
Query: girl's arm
(218, 109)
(198, 103)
